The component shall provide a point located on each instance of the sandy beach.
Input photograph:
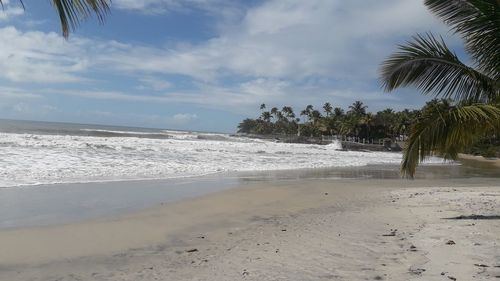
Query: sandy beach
(314, 229)
(217, 140)
(467, 157)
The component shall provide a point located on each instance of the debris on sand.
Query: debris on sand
(475, 217)
(391, 233)
(417, 271)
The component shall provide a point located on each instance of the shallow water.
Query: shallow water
(34, 153)
(53, 173)
(64, 203)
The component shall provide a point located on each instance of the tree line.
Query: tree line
(355, 121)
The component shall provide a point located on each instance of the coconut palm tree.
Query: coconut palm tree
(73, 12)
(388, 120)
(288, 111)
(338, 112)
(304, 113)
(367, 122)
(275, 112)
(307, 111)
(327, 107)
(266, 116)
(427, 63)
(315, 116)
(358, 108)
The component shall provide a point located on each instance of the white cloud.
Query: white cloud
(222, 11)
(148, 120)
(104, 95)
(9, 93)
(292, 40)
(149, 5)
(33, 109)
(244, 98)
(38, 57)
(152, 83)
(162, 6)
(9, 11)
(15, 103)
(290, 51)
(184, 117)
(280, 39)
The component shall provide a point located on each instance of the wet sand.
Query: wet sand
(480, 159)
(45, 205)
(295, 229)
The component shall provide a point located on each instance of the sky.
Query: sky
(204, 64)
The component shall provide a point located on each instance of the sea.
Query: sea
(41, 153)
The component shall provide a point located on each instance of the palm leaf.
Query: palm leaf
(427, 63)
(478, 21)
(72, 12)
(446, 130)
(20, 1)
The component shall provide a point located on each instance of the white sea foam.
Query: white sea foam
(27, 159)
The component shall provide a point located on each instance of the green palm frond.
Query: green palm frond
(20, 1)
(446, 130)
(478, 21)
(72, 12)
(427, 63)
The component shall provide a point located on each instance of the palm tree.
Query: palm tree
(338, 112)
(307, 112)
(274, 111)
(263, 106)
(315, 116)
(327, 107)
(358, 108)
(387, 119)
(72, 12)
(288, 111)
(367, 121)
(427, 63)
(266, 116)
(348, 125)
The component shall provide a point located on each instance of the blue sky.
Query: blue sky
(203, 64)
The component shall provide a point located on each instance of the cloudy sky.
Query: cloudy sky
(203, 64)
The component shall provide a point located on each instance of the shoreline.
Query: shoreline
(312, 228)
(479, 159)
(468, 159)
(47, 205)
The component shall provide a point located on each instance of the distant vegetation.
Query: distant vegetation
(355, 122)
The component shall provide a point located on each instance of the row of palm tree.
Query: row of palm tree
(355, 122)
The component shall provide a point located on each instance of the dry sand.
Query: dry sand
(286, 230)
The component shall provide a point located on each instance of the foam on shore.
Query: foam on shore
(31, 159)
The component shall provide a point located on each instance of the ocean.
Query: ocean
(36, 153)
